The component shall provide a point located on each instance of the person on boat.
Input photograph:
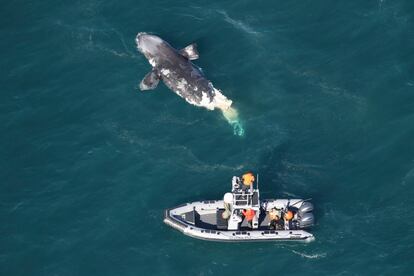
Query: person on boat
(248, 180)
(249, 215)
(275, 221)
(288, 215)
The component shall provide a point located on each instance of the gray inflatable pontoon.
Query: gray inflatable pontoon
(223, 220)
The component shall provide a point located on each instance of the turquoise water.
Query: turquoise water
(325, 92)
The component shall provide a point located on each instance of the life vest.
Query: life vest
(288, 215)
(249, 214)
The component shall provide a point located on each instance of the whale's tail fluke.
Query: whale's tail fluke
(232, 116)
(230, 113)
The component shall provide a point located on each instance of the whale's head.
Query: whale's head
(148, 44)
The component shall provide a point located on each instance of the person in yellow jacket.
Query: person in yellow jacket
(248, 180)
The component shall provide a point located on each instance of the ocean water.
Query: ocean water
(325, 92)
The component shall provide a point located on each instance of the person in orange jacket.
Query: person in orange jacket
(249, 215)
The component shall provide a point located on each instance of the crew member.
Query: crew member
(248, 180)
(274, 217)
(289, 215)
(249, 215)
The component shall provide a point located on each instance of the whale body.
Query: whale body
(175, 69)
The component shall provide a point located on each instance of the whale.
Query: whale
(177, 71)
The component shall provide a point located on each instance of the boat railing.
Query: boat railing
(246, 199)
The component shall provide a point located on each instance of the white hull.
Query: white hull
(200, 220)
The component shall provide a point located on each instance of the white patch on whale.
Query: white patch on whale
(165, 72)
(220, 100)
(181, 84)
(152, 62)
(206, 101)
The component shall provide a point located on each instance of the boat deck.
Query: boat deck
(214, 221)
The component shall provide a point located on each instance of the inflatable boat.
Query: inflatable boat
(242, 216)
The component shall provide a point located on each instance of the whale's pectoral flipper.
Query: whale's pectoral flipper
(190, 52)
(150, 81)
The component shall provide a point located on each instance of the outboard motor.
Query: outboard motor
(306, 207)
(306, 220)
(305, 215)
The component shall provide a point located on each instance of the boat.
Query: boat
(242, 216)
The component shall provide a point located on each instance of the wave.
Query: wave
(204, 167)
(92, 39)
(238, 24)
(409, 175)
(310, 256)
